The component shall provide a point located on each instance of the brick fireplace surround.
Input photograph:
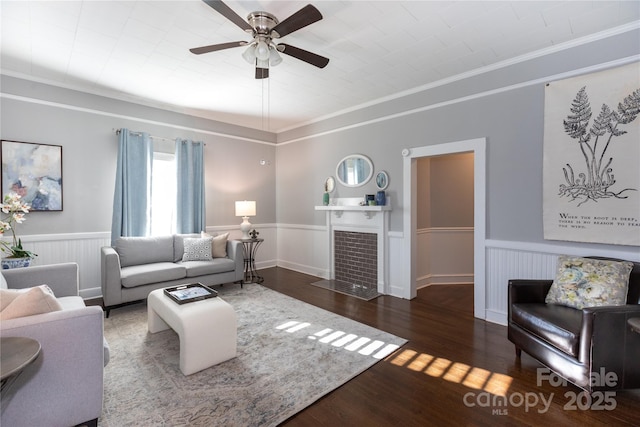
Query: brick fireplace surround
(356, 258)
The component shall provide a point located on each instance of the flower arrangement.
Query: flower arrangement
(13, 213)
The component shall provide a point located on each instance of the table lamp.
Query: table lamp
(245, 209)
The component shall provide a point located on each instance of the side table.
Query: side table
(634, 323)
(250, 247)
(16, 353)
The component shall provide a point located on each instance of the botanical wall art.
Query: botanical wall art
(591, 188)
(34, 171)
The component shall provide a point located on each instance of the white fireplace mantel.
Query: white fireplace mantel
(346, 214)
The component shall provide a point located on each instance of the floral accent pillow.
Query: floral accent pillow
(197, 249)
(584, 282)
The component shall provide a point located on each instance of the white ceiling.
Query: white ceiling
(138, 50)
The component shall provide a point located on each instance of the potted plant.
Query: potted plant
(13, 213)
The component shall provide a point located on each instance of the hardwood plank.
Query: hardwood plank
(451, 356)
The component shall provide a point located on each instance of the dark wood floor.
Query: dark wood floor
(448, 373)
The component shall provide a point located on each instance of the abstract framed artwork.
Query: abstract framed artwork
(591, 179)
(34, 171)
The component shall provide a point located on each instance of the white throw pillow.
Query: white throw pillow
(197, 249)
(3, 282)
(219, 244)
(27, 302)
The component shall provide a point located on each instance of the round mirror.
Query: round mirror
(354, 170)
(382, 180)
(329, 185)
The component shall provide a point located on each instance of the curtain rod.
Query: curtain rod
(117, 131)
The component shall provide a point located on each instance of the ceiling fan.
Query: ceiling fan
(264, 28)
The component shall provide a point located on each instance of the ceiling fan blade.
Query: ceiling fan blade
(228, 13)
(262, 73)
(305, 16)
(304, 55)
(215, 47)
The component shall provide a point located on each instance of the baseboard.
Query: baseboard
(498, 317)
(305, 269)
(444, 279)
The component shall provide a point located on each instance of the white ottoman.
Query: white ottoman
(207, 329)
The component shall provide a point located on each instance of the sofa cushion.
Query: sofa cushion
(36, 300)
(197, 249)
(201, 268)
(144, 250)
(137, 275)
(178, 245)
(556, 324)
(219, 249)
(586, 282)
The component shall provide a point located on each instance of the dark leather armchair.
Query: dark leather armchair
(574, 343)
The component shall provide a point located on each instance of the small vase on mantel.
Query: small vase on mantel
(325, 199)
(9, 263)
(381, 198)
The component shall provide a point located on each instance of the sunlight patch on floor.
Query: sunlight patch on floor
(455, 372)
(340, 339)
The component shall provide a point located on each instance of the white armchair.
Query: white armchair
(64, 386)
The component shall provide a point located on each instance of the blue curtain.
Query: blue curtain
(190, 187)
(132, 196)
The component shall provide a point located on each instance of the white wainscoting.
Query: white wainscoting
(266, 254)
(306, 248)
(444, 255)
(84, 248)
(520, 260)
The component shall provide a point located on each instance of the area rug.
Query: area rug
(290, 354)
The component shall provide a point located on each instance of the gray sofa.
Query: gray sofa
(138, 265)
(63, 386)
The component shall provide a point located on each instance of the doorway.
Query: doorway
(410, 185)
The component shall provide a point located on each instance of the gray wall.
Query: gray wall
(505, 106)
(84, 124)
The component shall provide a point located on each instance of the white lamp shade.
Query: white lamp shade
(246, 208)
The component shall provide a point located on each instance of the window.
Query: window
(163, 194)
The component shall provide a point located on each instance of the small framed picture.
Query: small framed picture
(34, 171)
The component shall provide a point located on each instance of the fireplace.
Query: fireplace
(356, 258)
(357, 237)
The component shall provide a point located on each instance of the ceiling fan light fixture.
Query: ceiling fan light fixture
(249, 54)
(264, 27)
(274, 57)
(262, 50)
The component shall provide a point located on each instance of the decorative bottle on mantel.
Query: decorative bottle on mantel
(325, 198)
(325, 195)
(381, 198)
